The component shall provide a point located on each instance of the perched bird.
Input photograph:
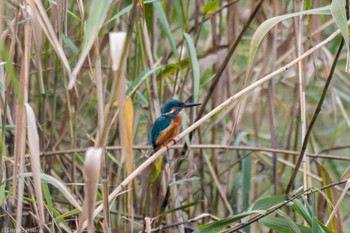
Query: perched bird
(168, 125)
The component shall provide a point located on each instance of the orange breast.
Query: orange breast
(170, 132)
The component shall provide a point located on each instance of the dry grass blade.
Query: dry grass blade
(116, 41)
(92, 166)
(38, 11)
(60, 186)
(34, 148)
(97, 14)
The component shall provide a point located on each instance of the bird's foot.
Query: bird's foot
(166, 145)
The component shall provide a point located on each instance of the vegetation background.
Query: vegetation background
(81, 83)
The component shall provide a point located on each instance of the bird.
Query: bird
(168, 124)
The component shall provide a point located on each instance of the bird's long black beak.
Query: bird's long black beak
(190, 105)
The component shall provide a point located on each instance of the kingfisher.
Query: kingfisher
(168, 124)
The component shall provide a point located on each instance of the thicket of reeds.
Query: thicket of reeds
(81, 83)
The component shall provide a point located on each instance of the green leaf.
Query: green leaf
(210, 7)
(266, 26)
(289, 221)
(302, 211)
(308, 4)
(339, 16)
(97, 14)
(67, 214)
(170, 69)
(111, 157)
(268, 202)
(57, 213)
(70, 44)
(246, 177)
(165, 25)
(120, 13)
(195, 66)
(179, 14)
(314, 226)
(10, 127)
(10, 70)
(157, 169)
(235, 192)
(58, 185)
(183, 207)
(215, 227)
(47, 195)
(126, 10)
(2, 187)
(140, 79)
(280, 225)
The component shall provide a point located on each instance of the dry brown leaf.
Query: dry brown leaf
(91, 170)
(34, 148)
(116, 43)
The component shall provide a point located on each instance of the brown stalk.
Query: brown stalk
(150, 65)
(20, 122)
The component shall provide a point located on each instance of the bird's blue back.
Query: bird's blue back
(161, 123)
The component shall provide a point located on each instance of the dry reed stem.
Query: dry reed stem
(302, 101)
(20, 124)
(150, 65)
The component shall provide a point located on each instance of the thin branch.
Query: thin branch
(209, 147)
